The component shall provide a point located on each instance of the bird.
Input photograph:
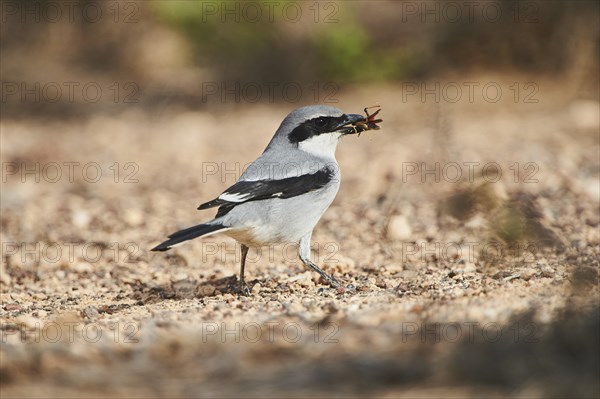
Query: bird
(282, 195)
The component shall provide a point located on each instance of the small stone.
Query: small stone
(91, 313)
(466, 266)
(293, 307)
(4, 276)
(80, 219)
(82, 267)
(592, 222)
(11, 307)
(256, 288)
(593, 237)
(408, 274)
(206, 290)
(182, 276)
(528, 273)
(394, 268)
(301, 277)
(476, 222)
(578, 244)
(133, 217)
(512, 277)
(469, 267)
(548, 272)
(399, 228)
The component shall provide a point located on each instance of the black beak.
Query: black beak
(348, 120)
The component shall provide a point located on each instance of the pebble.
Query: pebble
(476, 222)
(408, 274)
(593, 236)
(133, 217)
(11, 307)
(469, 267)
(399, 228)
(4, 277)
(394, 268)
(548, 272)
(206, 290)
(80, 218)
(82, 267)
(528, 273)
(91, 313)
(256, 289)
(512, 277)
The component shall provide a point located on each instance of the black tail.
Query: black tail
(188, 234)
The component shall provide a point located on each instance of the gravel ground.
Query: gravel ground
(483, 284)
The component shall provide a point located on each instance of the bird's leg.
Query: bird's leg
(332, 280)
(304, 253)
(243, 287)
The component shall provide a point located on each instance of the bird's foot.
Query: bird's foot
(243, 288)
(339, 287)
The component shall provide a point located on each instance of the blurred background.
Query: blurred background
(119, 117)
(187, 53)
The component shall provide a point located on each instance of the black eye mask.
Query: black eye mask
(346, 124)
(316, 126)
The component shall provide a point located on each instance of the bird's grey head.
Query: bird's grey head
(314, 129)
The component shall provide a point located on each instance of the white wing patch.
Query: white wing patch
(233, 197)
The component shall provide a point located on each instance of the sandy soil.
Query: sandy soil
(482, 284)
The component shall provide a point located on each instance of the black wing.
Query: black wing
(245, 191)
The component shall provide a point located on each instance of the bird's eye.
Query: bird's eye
(320, 122)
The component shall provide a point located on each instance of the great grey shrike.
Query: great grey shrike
(282, 195)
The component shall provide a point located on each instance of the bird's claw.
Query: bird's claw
(243, 288)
